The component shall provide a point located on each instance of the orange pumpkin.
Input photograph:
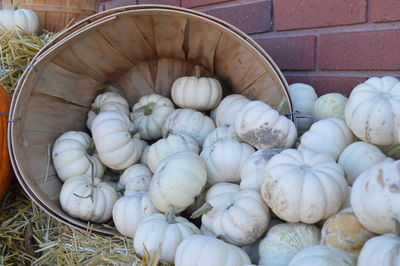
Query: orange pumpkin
(5, 164)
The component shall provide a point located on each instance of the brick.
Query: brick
(160, 2)
(291, 53)
(250, 17)
(197, 3)
(327, 84)
(116, 3)
(302, 14)
(368, 50)
(385, 10)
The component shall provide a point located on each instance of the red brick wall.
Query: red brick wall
(330, 44)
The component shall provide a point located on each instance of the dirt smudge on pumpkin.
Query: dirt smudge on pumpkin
(264, 138)
(379, 178)
(394, 188)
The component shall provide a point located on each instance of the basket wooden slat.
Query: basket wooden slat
(136, 51)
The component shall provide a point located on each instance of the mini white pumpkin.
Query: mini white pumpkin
(149, 114)
(253, 171)
(284, 241)
(262, 127)
(164, 233)
(75, 199)
(304, 186)
(136, 177)
(200, 250)
(177, 181)
(303, 98)
(240, 217)
(322, 256)
(188, 122)
(108, 101)
(375, 196)
(16, 19)
(345, 232)
(373, 111)
(380, 251)
(196, 92)
(228, 109)
(329, 136)
(224, 160)
(221, 133)
(113, 136)
(145, 153)
(358, 157)
(163, 148)
(74, 154)
(129, 210)
(330, 105)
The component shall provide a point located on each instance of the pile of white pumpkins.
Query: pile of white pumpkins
(260, 199)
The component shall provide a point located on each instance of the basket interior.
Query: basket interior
(135, 52)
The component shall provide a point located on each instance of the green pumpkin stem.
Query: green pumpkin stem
(91, 148)
(148, 108)
(197, 71)
(393, 151)
(15, 6)
(280, 108)
(94, 109)
(171, 215)
(202, 210)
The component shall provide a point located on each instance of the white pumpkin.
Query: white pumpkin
(177, 181)
(145, 153)
(303, 98)
(284, 241)
(330, 105)
(224, 160)
(74, 154)
(329, 136)
(163, 148)
(164, 233)
(113, 136)
(345, 232)
(136, 177)
(240, 217)
(200, 250)
(228, 109)
(375, 196)
(188, 122)
(262, 127)
(373, 111)
(129, 210)
(358, 157)
(15, 19)
(380, 251)
(304, 186)
(322, 256)
(196, 92)
(253, 171)
(76, 201)
(221, 133)
(108, 101)
(149, 114)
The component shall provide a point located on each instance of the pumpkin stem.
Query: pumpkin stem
(171, 215)
(396, 219)
(91, 148)
(148, 108)
(237, 138)
(281, 106)
(15, 6)
(95, 109)
(393, 151)
(134, 132)
(197, 71)
(206, 207)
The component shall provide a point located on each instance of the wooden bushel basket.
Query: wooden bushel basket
(136, 50)
(54, 15)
